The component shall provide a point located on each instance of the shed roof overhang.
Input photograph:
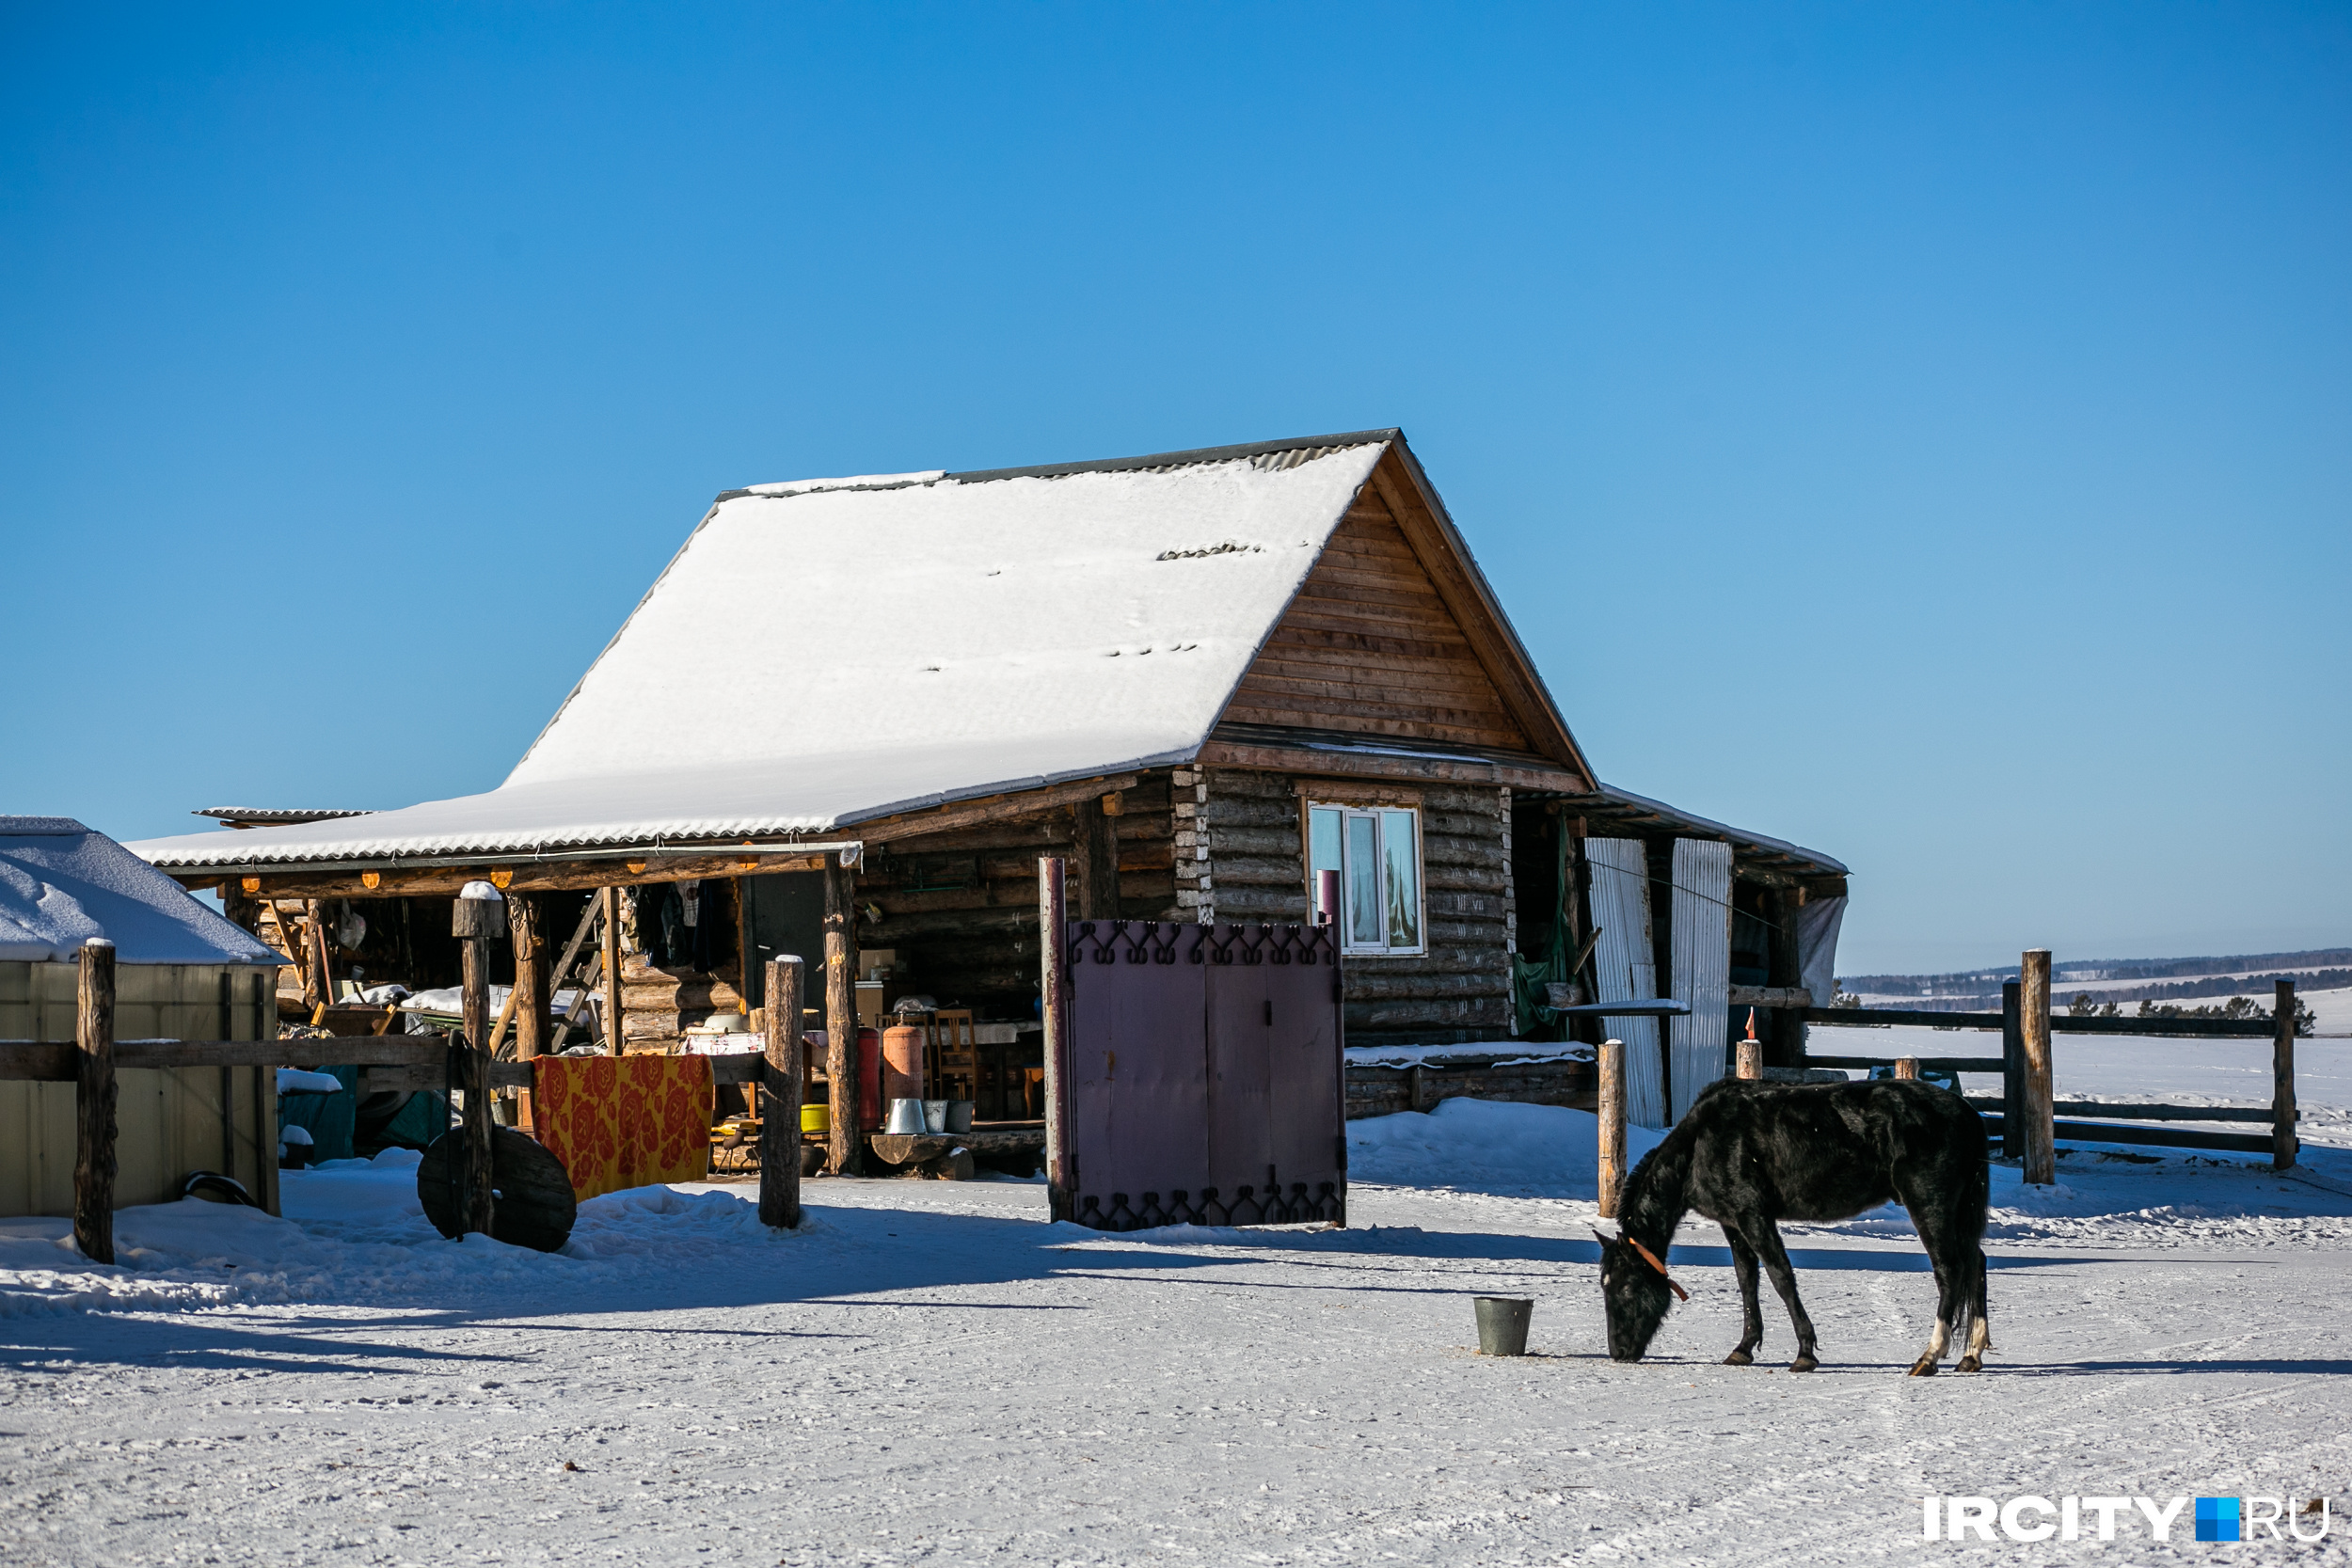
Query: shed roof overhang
(1755, 857)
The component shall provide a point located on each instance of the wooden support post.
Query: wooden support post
(1413, 1088)
(474, 922)
(1752, 1060)
(94, 1103)
(841, 1047)
(1611, 1151)
(1053, 928)
(2282, 1140)
(780, 1097)
(2012, 1070)
(610, 952)
(529, 999)
(1781, 968)
(746, 966)
(2040, 1097)
(1097, 855)
(1907, 1069)
(314, 959)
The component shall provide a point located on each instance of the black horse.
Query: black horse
(1748, 1155)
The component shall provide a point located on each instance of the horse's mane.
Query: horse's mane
(1653, 1202)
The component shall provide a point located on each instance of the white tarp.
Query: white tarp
(1817, 946)
(61, 883)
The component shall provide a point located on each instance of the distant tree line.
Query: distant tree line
(1978, 982)
(2087, 1005)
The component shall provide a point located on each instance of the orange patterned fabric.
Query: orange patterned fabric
(624, 1121)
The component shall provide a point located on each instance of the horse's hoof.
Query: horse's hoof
(1738, 1359)
(1969, 1364)
(1925, 1367)
(1803, 1364)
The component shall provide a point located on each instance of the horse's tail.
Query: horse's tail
(1973, 1305)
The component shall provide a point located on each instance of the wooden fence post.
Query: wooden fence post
(779, 1098)
(1611, 1153)
(841, 1044)
(2041, 1145)
(1053, 921)
(1907, 1068)
(2012, 1070)
(1749, 1062)
(94, 1103)
(2282, 1140)
(474, 920)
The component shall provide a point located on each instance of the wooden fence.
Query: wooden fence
(386, 1062)
(2027, 1114)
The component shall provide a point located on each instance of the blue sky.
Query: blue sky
(1917, 432)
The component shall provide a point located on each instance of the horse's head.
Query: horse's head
(1636, 1291)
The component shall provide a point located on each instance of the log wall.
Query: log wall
(959, 908)
(1240, 856)
(1383, 1091)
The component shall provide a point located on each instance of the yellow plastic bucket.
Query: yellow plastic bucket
(815, 1118)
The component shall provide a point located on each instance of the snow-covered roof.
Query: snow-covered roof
(824, 652)
(62, 883)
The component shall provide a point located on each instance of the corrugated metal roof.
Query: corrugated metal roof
(273, 815)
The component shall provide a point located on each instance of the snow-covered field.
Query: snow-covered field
(2331, 1011)
(930, 1373)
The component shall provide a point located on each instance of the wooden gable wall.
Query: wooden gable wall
(1370, 646)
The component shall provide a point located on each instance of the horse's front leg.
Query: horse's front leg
(1752, 1312)
(1775, 1258)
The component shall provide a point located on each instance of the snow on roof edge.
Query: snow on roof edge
(264, 847)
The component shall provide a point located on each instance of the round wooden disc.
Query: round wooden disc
(531, 1205)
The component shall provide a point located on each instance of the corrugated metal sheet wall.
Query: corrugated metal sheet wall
(168, 1122)
(1625, 969)
(1702, 966)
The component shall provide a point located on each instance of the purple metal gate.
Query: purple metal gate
(1199, 1076)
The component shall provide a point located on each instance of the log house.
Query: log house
(1198, 678)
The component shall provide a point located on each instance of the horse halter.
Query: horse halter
(1651, 1259)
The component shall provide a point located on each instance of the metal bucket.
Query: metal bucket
(935, 1115)
(1503, 1324)
(906, 1116)
(958, 1116)
(815, 1118)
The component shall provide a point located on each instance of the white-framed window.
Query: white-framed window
(1377, 851)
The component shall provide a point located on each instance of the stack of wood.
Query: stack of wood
(659, 1005)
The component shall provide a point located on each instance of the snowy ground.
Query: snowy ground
(930, 1373)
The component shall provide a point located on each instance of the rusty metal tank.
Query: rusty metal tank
(902, 1062)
